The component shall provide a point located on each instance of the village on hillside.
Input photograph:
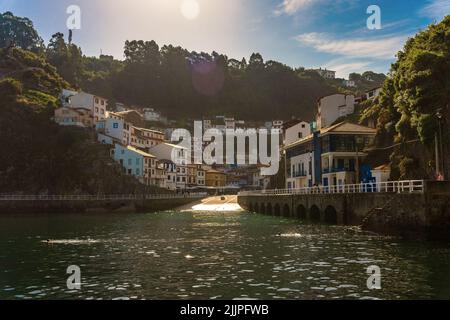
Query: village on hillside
(316, 152)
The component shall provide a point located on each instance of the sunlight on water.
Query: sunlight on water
(217, 207)
(217, 204)
(210, 255)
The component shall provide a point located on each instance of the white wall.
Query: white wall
(333, 107)
(164, 151)
(293, 133)
(296, 165)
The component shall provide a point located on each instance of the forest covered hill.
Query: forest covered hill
(186, 84)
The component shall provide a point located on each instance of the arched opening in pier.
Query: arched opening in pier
(250, 207)
(286, 211)
(277, 210)
(262, 208)
(256, 208)
(314, 213)
(301, 212)
(331, 215)
(269, 209)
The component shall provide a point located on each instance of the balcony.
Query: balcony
(337, 170)
(300, 174)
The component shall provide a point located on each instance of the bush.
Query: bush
(10, 88)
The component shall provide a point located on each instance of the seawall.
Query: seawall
(424, 214)
(95, 206)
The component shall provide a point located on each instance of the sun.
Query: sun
(190, 9)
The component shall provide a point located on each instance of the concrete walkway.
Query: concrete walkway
(219, 204)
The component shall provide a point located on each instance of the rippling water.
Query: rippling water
(210, 255)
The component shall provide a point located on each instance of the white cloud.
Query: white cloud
(344, 67)
(384, 48)
(436, 9)
(292, 6)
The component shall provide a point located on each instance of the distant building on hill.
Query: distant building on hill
(133, 117)
(349, 83)
(77, 117)
(145, 138)
(76, 100)
(373, 93)
(326, 74)
(152, 115)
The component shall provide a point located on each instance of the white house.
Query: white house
(333, 107)
(140, 164)
(230, 123)
(151, 115)
(113, 129)
(277, 124)
(120, 107)
(146, 138)
(327, 74)
(168, 151)
(382, 173)
(171, 174)
(349, 83)
(177, 154)
(97, 105)
(373, 93)
(300, 163)
(297, 132)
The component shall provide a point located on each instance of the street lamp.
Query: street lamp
(440, 117)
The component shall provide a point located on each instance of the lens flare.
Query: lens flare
(190, 9)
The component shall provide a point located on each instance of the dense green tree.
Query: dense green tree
(19, 31)
(67, 58)
(418, 87)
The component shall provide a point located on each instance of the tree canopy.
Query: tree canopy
(20, 32)
(417, 88)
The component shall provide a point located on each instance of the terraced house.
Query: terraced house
(142, 165)
(328, 157)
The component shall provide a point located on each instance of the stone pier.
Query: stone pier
(423, 213)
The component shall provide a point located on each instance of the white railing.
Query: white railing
(410, 186)
(101, 197)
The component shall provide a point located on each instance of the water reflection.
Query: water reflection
(210, 255)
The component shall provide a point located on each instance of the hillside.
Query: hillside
(406, 112)
(39, 157)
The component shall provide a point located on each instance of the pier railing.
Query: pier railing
(410, 186)
(101, 197)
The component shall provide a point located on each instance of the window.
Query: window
(103, 102)
(303, 126)
(138, 171)
(96, 109)
(300, 135)
(115, 125)
(130, 162)
(96, 100)
(138, 162)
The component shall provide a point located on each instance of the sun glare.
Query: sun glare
(190, 9)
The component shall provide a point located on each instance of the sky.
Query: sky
(330, 34)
